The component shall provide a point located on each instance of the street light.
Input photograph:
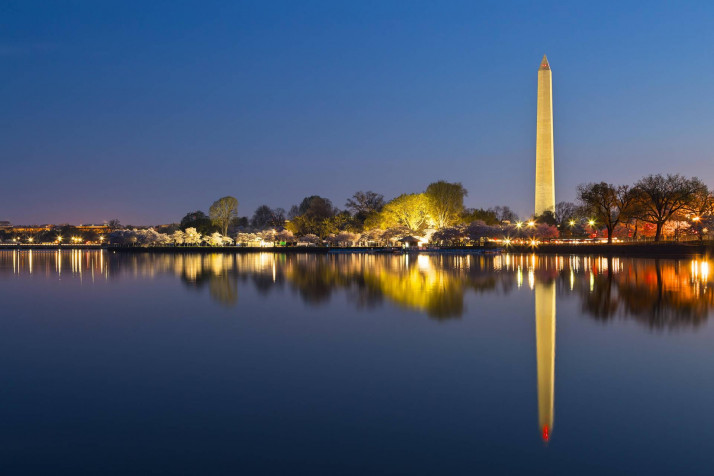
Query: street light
(591, 222)
(531, 223)
(519, 224)
(572, 222)
(696, 219)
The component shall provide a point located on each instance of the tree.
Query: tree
(471, 215)
(223, 211)
(547, 217)
(315, 207)
(445, 201)
(504, 214)
(192, 236)
(451, 235)
(284, 236)
(702, 202)
(478, 230)
(565, 212)
(177, 237)
(216, 239)
(114, 224)
(262, 217)
(606, 203)
(310, 238)
(544, 231)
(362, 204)
(265, 217)
(199, 221)
(278, 217)
(662, 197)
(409, 210)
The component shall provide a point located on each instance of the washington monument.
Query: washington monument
(544, 174)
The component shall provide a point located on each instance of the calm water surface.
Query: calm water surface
(354, 364)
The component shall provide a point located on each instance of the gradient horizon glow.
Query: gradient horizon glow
(144, 111)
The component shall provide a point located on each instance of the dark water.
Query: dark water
(340, 365)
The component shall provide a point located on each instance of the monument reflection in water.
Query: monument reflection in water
(659, 294)
(545, 354)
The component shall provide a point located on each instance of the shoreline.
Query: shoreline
(642, 250)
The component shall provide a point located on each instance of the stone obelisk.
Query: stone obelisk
(544, 173)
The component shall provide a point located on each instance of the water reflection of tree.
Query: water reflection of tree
(222, 287)
(653, 292)
(658, 293)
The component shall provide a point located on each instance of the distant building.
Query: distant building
(31, 229)
(99, 229)
(5, 225)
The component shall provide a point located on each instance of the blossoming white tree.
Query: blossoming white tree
(192, 237)
(310, 238)
(216, 239)
(178, 237)
(138, 237)
(284, 236)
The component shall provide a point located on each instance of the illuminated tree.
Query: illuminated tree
(192, 236)
(445, 202)
(223, 211)
(409, 210)
(216, 239)
(178, 237)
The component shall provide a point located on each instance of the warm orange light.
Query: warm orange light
(696, 219)
(531, 223)
(591, 222)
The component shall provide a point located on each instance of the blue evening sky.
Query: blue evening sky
(146, 110)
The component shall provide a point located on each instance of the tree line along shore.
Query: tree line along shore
(655, 208)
